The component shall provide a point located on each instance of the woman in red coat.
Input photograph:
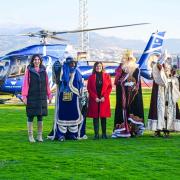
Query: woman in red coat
(99, 88)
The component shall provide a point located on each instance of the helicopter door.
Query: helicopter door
(4, 70)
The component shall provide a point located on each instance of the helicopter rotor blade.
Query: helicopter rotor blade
(57, 38)
(8, 35)
(52, 34)
(100, 28)
(28, 34)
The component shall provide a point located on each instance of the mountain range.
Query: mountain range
(9, 43)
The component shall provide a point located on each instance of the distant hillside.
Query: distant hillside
(172, 45)
(10, 43)
(101, 42)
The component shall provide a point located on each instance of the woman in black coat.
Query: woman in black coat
(35, 91)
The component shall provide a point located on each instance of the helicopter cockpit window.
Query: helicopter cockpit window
(18, 66)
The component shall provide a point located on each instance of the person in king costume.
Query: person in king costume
(129, 113)
(70, 105)
(164, 112)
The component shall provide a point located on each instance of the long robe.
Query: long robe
(164, 111)
(129, 106)
(69, 119)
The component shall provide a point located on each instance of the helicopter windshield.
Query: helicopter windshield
(4, 68)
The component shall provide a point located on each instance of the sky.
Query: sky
(57, 15)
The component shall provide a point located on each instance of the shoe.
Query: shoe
(31, 139)
(157, 134)
(96, 137)
(61, 139)
(39, 138)
(74, 137)
(104, 136)
(166, 134)
(84, 137)
(81, 138)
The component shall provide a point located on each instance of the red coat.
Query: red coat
(105, 92)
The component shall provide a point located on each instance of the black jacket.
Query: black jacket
(37, 94)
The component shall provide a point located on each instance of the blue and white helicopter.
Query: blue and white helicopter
(13, 64)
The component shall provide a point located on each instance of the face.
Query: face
(36, 61)
(72, 64)
(126, 60)
(99, 68)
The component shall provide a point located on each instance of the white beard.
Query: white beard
(130, 67)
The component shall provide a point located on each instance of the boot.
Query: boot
(30, 132)
(166, 133)
(157, 133)
(103, 127)
(40, 128)
(96, 128)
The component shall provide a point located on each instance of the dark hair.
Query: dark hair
(95, 64)
(33, 57)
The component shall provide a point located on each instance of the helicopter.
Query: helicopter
(13, 64)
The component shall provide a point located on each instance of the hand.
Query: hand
(97, 100)
(135, 90)
(126, 70)
(159, 66)
(102, 99)
(25, 101)
(50, 100)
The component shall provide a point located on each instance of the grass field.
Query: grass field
(132, 158)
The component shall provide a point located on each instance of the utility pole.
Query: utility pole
(83, 24)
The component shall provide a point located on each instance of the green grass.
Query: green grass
(132, 158)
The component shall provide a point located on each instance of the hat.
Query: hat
(128, 55)
(70, 59)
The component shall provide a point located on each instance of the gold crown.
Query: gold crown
(128, 54)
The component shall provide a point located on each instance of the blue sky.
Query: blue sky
(164, 15)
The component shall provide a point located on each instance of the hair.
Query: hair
(95, 64)
(33, 57)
